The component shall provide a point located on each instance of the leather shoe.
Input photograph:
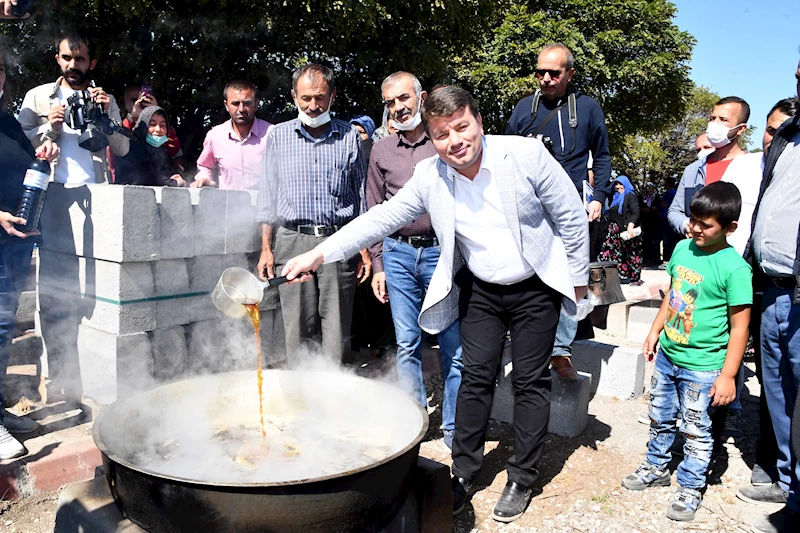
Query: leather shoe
(461, 490)
(564, 368)
(512, 502)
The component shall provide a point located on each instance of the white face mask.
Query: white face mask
(319, 120)
(415, 121)
(718, 134)
(702, 154)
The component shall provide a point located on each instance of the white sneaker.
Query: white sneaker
(17, 424)
(9, 446)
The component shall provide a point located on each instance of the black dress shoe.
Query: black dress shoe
(461, 490)
(512, 502)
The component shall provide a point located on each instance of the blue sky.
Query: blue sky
(744, 48)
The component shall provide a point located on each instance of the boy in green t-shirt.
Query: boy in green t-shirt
(702, 329)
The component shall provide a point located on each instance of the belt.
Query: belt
(783, 282)
(316, 231)
(418, 241)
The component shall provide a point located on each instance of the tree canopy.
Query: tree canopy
(629, 54)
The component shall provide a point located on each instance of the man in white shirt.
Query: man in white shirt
(44, 110)
(514, 248)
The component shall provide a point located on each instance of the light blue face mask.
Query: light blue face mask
(157, 142)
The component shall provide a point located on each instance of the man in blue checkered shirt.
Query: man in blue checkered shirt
(313, 184)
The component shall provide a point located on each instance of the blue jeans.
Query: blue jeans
(15, 264)
(674, 388)
(565, 334)
(780, 367)
(408, 274)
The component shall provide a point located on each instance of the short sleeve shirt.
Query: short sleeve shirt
(704, 286)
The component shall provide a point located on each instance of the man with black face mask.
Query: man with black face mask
(44, 108)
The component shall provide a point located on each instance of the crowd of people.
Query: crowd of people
(473, 238)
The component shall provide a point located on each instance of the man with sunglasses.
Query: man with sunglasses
(576, 128)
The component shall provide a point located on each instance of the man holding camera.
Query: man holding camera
(576, 127)
(45, 110)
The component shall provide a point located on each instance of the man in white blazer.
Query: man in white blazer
(514, 246)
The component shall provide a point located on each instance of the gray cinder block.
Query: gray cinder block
(242, 231)
(170, 353)
(616, 370)
(119, 223)
(569, 405)
(569, 401)
(172, 279)
(108, 295)
(204, 272)
(208, 211)
(177, 222)
(114, 366)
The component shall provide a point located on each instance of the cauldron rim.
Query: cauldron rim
(119, 404)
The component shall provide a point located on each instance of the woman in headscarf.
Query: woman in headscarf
(649, 204)
(623, 217)
(147, 162)
(365, 127)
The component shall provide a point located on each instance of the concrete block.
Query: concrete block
(172, 279)
(177, 222)
(616, 370)
(119, 223)
(204, 340)
(208, 212)
(641, 316)
(236, 260)
(110, 296)
(569, 405)
(26, 309)
(569, 401)
(242, 231)
(204, 272)
(114, 366)
(170, 353)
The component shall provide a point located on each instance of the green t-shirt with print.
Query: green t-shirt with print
(704, 286)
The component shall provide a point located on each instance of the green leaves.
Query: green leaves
(629, 54)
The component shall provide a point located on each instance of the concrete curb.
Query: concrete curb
(54, 460)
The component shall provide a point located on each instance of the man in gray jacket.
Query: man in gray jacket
(514, 249)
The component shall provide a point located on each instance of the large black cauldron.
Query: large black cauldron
(159, 500)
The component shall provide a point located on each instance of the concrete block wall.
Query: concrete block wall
(132, 267)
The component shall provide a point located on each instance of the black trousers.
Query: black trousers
(530, 309)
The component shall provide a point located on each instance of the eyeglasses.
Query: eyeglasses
(540, 72)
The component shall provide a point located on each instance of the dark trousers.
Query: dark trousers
(530, 309)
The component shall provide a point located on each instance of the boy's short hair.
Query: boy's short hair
(721, 200)
(692, 293)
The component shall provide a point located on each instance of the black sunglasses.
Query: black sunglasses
(540, 72)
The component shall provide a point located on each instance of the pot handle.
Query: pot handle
(597, 276)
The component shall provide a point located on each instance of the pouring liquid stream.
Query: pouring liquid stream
(255, 319)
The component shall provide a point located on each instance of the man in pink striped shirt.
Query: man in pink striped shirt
(233, 152)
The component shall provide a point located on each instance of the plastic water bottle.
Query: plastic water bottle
(30, 207)
(636, 232)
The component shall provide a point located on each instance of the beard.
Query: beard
(79, 79)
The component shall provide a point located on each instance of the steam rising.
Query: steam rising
(319, 423)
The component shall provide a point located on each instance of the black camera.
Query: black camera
(548, 143)
(86, 115)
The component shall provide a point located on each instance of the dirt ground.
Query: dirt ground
(579, 485)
